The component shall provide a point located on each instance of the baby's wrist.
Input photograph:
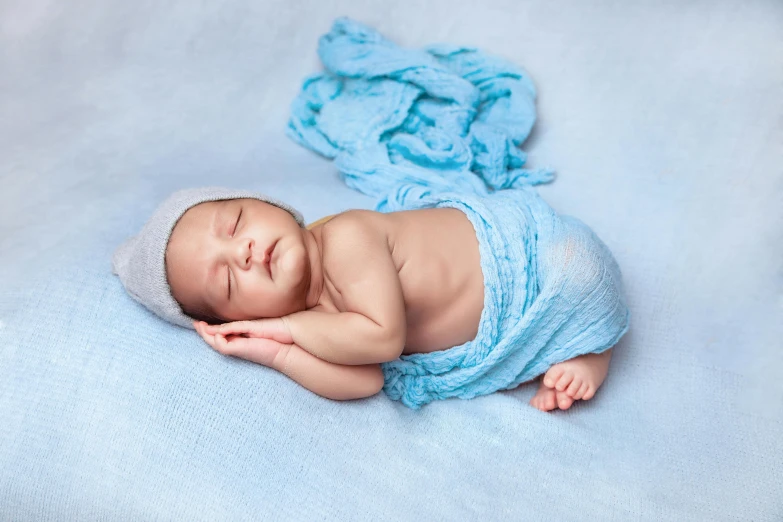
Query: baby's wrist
(282, 359)
(285, 321)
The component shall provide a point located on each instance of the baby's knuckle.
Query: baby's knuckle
(223, 347)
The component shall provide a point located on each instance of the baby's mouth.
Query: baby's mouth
(268, 257)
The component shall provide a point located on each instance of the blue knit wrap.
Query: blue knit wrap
(441, 128)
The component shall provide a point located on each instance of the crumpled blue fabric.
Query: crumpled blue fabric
(447, 118)
(441, 128)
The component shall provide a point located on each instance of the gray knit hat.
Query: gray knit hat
(140, 261)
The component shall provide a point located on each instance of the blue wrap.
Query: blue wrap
(441, 128)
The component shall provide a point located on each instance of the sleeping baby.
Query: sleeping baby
(328, 305)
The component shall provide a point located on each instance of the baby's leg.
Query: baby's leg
(571, 380)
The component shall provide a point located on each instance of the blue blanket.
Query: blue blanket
(441, 128)
(646, 109)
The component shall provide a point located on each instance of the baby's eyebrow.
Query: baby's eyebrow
(219, 210)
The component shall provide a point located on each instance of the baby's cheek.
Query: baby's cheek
(294, 261)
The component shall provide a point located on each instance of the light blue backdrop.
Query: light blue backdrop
(664, 123)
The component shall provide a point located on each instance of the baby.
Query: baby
(326, 304)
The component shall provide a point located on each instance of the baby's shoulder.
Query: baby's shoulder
(352, 225)
(352, 233)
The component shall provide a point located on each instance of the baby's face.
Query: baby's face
(238, 259)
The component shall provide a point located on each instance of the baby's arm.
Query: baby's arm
(250, 340)
(333, 381)
(358, 263)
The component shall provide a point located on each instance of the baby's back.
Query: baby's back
(436, 254)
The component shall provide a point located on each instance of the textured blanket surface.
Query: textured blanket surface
(662, 123)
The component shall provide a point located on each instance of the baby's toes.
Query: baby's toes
(581, 393)
(549, 402)
(574, 387)
(563, 400)
(565, 380)
(552, 376)
(536, 401)
(544, 399)
(589, 393)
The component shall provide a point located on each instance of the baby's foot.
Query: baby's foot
(578, 378)
(547, 399)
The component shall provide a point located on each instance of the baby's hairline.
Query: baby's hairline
(201, 312)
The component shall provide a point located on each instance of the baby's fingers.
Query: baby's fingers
(259, 328)
(262, 351)
(223, 346)
(208, 338)
(235, 327)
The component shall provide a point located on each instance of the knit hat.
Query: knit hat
(140, 261)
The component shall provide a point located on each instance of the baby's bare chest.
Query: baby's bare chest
(437, 255)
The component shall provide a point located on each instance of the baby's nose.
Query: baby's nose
(245, 253)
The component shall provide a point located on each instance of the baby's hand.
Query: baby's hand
(259, 341)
